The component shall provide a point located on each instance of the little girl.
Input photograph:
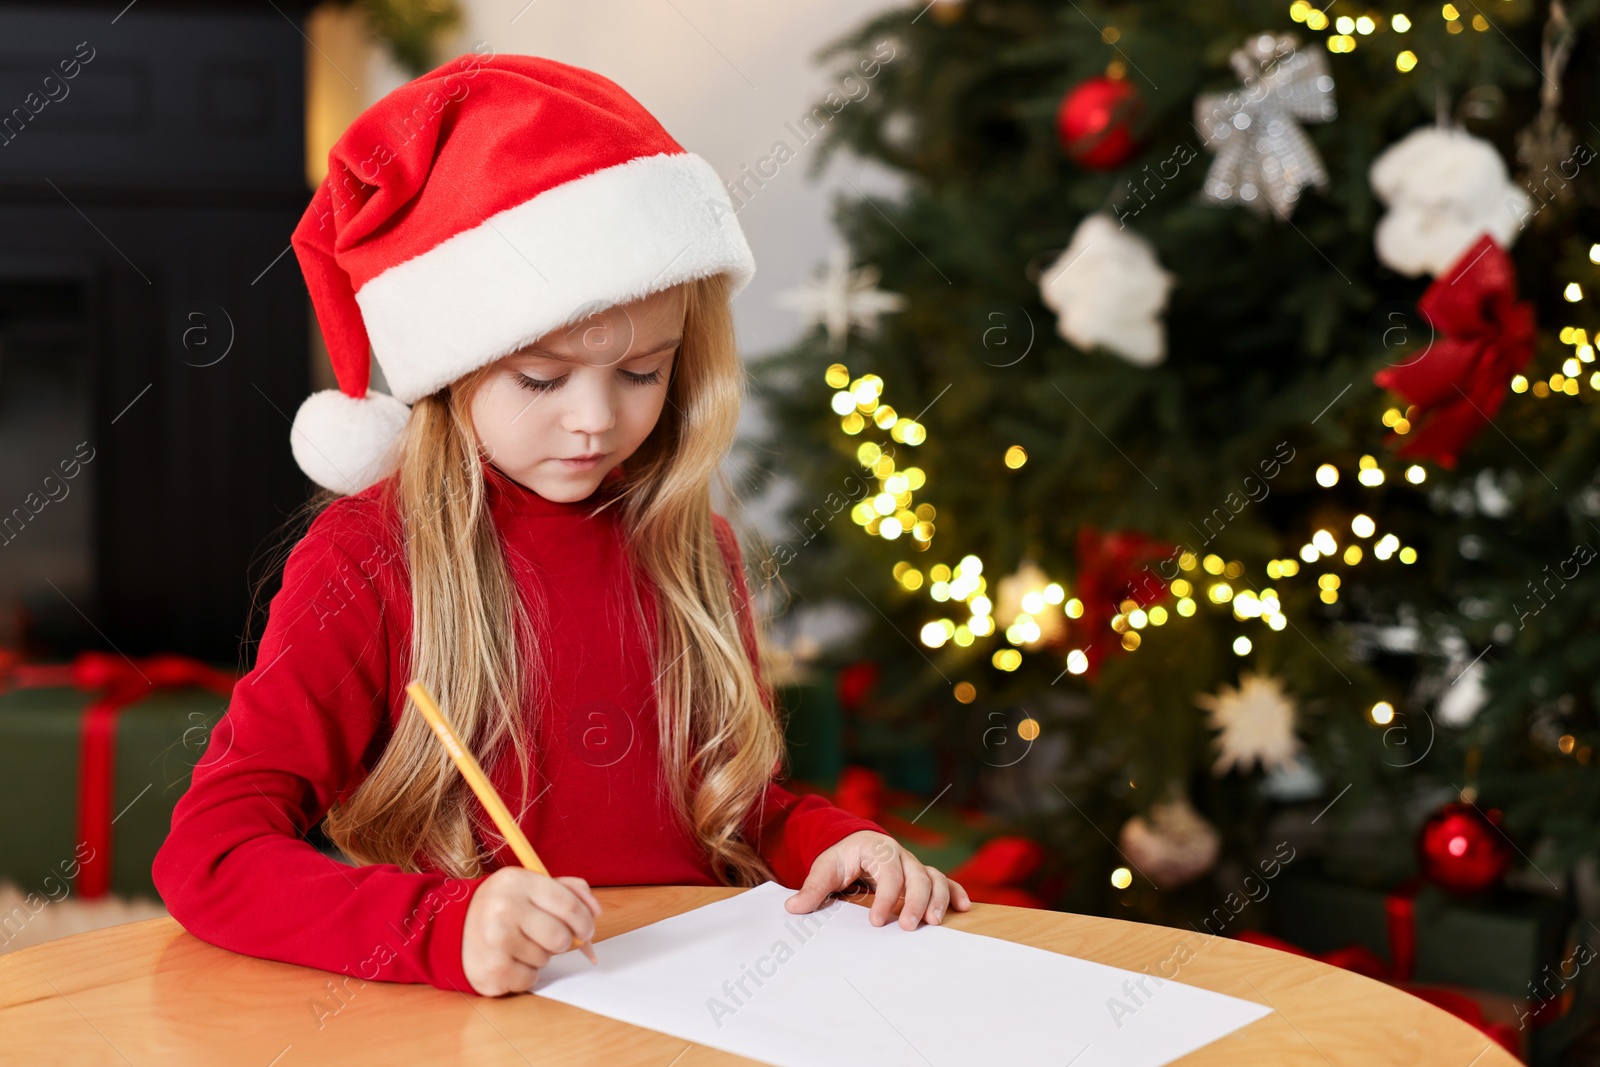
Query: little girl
(524, 525)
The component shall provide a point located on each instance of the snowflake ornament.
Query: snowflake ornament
(1255, 724)
(842, 298)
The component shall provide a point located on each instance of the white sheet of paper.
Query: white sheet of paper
(828, 988)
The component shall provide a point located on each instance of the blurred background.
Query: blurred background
(1172, 465)
(275, 88)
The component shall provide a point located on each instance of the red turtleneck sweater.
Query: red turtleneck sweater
(309, 720)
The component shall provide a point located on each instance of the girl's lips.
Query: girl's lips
(582, 464)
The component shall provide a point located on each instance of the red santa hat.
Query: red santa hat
(473, 210)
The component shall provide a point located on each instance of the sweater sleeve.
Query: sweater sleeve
(236, 869)
(788, 830)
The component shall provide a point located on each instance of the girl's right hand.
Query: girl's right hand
(517, 921)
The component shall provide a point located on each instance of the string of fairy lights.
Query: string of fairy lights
(1576, 368)
(892, 513)
(1579, 366)
(1349, 29)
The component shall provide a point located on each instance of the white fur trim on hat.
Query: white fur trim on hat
(344, 443)
(609, 237)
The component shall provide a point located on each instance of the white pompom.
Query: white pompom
(346, 444)
(1444, 188)
(1465, 697)
(1174, 846)
(1108, 289)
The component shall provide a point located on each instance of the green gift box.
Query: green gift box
(941, 835)
(813, 729)
(1500, 943)
(820, 745)
(97, 754)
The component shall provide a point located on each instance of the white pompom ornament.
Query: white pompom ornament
(344, 443)
(1174, 846)
(1108, 290)
(1444, 188)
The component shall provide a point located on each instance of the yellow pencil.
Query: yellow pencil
(481, 785)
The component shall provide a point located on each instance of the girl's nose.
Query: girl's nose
(592, 410)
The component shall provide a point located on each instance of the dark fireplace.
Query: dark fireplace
(47, 478)
(153, 324)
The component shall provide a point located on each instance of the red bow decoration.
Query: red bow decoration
(1482, 336)
(1113, 567)
(855, 683)
(119, 682)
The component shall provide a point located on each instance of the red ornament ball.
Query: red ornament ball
(1463, 849)
(1095, 122)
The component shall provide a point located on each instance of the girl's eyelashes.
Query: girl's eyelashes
(541, 385)
(536, 385)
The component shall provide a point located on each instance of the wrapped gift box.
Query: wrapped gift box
(1522, 968)
(982, 853)
(993, 864)
(827, 723)
(1499, 944)
(814, 729)
(93, 757)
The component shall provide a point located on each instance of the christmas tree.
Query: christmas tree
(1211, 427)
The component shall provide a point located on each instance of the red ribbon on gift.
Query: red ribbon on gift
(1400, 913)
(1482, 335)
(1358, 958)
(991, 875)
(118, 683)
(994, 873)
(861, 791)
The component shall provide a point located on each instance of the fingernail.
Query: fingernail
(938, 913)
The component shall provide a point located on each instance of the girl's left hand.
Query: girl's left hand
(878, 860)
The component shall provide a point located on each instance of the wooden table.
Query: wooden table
(150, 993)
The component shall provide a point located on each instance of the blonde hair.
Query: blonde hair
(473, 640)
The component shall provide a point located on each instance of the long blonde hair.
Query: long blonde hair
(473, 641)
